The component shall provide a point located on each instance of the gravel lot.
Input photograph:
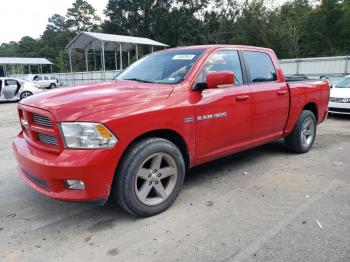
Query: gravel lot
(265, 204)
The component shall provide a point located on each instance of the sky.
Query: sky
(19, 18)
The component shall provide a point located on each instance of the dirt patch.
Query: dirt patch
(113, 252)
(288, 180)
(210, 203)
(324, 141)
(102, 225)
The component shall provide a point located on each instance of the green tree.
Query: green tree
(82, 17)
(297, 28)
(172, 22)
(292, 19)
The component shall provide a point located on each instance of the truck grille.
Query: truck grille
(51, 140)
(40, 129)
(339, 100)
(42, 120)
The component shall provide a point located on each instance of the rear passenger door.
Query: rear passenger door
(10, 88)
(270, 97)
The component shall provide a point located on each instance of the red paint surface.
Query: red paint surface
(255, 114)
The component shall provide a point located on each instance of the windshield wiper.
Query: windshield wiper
(138, 80)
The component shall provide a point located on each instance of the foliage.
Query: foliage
(82, 17)
(298, 28)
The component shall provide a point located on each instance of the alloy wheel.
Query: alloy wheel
(156, 179)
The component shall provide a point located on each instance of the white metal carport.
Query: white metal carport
(24, 61)
(108, 42)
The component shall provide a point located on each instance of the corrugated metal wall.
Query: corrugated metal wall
(330, 66)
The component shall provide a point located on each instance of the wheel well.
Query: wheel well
(171, 136)
(313, 108)
(167, 134)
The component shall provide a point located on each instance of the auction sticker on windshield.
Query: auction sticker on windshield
(183, 57)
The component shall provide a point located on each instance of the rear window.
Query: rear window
(260, 67)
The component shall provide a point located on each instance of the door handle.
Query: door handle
(242, 98)
(281, 92)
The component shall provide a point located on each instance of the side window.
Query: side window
(226, 60)
(39, 78)
(46, 78)
(10, 82)
(260, 66)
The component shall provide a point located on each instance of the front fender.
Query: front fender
(130, 122)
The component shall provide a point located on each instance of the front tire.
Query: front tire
(150, 177)
(303, 136)
(52, 86)
(25, 94)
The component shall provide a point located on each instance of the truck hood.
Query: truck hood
(340, 92)
(72, 103)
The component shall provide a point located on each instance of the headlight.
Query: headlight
(84, 135)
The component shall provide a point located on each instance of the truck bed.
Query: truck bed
(307, 92)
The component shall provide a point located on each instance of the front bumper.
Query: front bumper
(339, 108)
(47, 172)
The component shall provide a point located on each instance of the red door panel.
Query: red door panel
(270, 106)
(222, 121)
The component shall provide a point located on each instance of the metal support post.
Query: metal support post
(121, 56)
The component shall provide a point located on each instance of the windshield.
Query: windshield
(168, 67)
(344, 83)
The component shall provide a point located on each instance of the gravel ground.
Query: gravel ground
(265, 204)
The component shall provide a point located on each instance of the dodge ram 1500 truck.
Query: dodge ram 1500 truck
(135, 137)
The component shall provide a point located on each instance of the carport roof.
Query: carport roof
(90, 40)
(24, 61)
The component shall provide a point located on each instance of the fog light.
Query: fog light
(75, 184)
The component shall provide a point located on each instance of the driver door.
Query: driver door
(223, 115)
(10, 88)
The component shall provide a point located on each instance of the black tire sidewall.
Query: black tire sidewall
(304, 115)
(127, 175)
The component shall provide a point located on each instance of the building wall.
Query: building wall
(330, 66)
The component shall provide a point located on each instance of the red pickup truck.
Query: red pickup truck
(134, 138)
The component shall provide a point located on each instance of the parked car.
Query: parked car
(46, 81)
(135, 138)
(12, 89)
(339, 102)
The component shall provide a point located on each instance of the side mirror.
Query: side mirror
(218, 79)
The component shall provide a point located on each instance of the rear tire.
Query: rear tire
(51, 86)
(150, 177)
(303, 136)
